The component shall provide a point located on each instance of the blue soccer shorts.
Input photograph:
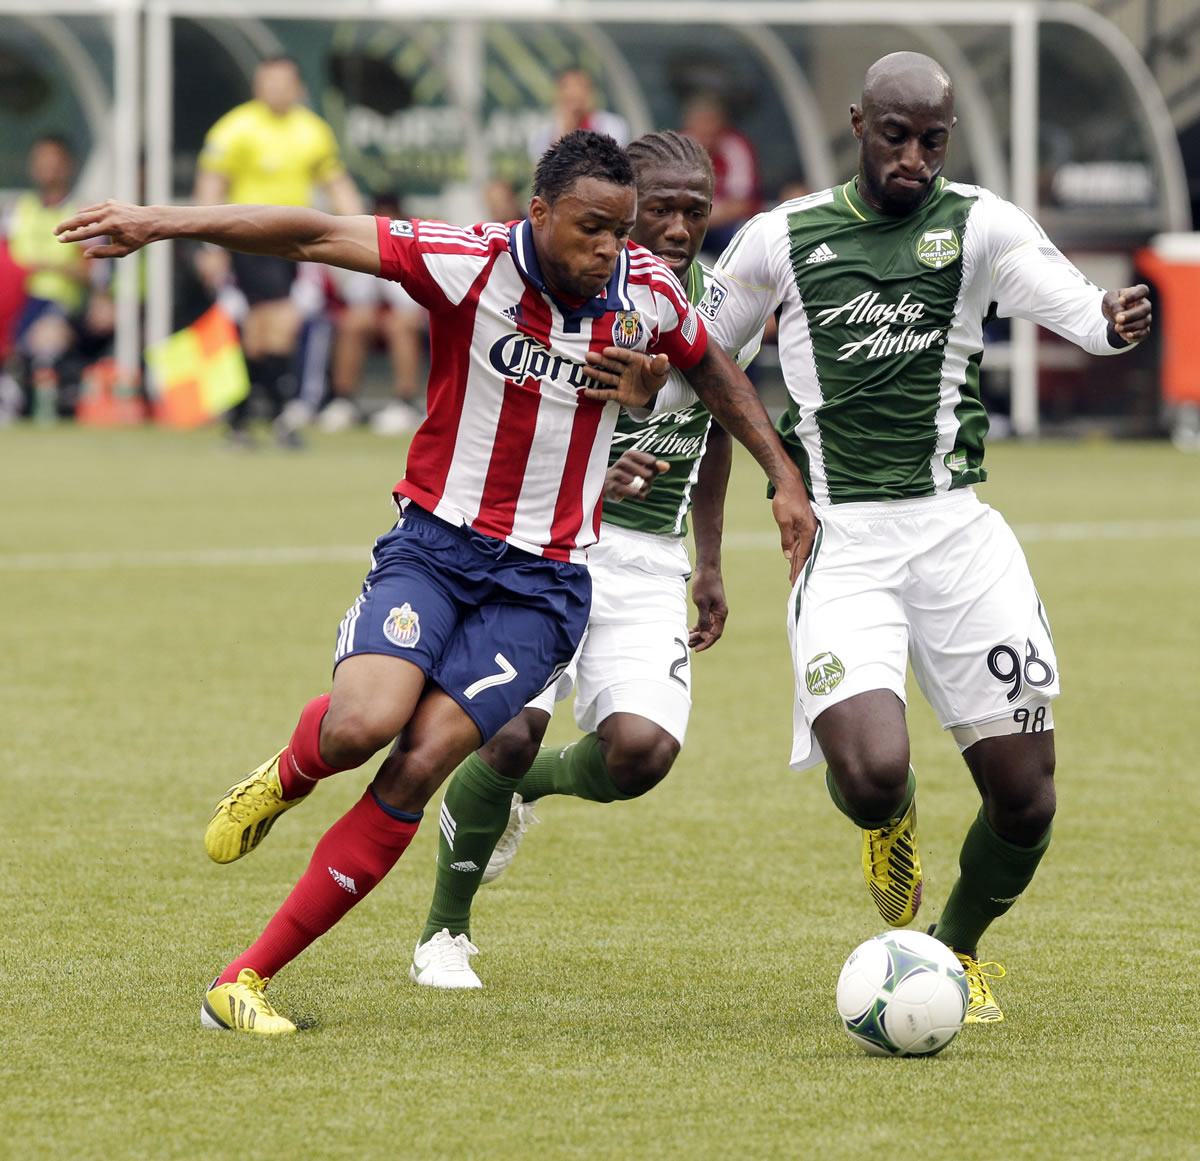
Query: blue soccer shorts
(489, 623)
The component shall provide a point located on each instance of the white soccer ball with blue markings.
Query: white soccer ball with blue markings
(902, 993)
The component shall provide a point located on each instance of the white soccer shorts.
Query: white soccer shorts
(634, 656)
(940, 583)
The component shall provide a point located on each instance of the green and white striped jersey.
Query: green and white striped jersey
(677, 432)
(881, 329)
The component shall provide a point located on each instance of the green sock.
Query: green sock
(993, 873)
(576, 769)
(474, 813)
(866, 823)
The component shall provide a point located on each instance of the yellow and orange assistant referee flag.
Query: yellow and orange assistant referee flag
(198, 373)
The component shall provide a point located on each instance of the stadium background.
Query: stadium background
(1088, 115)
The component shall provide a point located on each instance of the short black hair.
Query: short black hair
(580, 153)
(669, 148)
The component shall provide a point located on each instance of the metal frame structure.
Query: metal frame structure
(752, 21)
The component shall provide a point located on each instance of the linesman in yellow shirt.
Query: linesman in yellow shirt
(271, 150)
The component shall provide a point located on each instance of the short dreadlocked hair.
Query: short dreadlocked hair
(669, 148)
(580, 153)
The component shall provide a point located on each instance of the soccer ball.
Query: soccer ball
(902, 994)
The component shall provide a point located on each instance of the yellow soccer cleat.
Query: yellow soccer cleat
(981, 1004)
(892, 868)
(246, 813)
(242, 1007)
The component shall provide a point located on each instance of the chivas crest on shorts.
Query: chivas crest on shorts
(627, 330)
(403, 626)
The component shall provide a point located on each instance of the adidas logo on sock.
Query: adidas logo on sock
(465, 865)
(344, 881)
(821, 254)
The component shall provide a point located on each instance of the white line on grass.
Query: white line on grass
(360, 553)
(1029, 533)
(185, 558)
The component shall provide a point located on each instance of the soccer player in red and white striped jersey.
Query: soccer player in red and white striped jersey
(478, 597)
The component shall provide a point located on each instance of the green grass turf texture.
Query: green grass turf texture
(659, 974)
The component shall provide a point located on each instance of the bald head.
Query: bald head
(903, 127)
(907, 78)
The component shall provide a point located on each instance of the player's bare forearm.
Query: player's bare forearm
(292, 232)
(708, 498)
(724, 389)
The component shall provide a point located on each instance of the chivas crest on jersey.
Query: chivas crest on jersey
(627, 330)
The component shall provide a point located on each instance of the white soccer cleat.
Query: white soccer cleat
(339, 414)
(444, 961)
(397, 418)
(520, 816)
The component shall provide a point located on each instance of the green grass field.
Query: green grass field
(659, 974)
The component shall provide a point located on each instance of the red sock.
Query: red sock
(354, 854)
(301, 764)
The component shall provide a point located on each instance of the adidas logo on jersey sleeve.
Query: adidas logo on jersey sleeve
(821, 254)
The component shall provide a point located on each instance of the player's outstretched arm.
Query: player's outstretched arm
(708, 521)
(293, 232)
(724, 389)
(1129, 314)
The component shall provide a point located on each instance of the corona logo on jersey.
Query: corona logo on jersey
(403, 626)
(938, 248)
(871, 308)
(518, 357)
(823, 674)
(627, 330)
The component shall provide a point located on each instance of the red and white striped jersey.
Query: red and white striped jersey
(510, 446)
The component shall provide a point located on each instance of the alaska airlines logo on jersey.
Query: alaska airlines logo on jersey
(663, 435)
(823, 674)
(518, 357)
(403, 626)
(938, 248)
(714, 298)
(870, 308)
(627, 329)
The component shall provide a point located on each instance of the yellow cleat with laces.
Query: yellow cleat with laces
(981, 1004)
(892, 868)
(246, 813)
(242, 1007)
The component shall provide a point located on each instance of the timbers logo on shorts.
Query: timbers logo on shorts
(823, 674)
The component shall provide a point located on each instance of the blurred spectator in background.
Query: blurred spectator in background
(55, 277)
(736, 195)
(501, 201)
(376, 310)
(271, 150)
(794, 186)
(575, 108)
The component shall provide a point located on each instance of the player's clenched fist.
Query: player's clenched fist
(633, 475)
(1128, 312)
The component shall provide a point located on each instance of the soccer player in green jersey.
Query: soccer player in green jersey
(884, 285)
(632, 674)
